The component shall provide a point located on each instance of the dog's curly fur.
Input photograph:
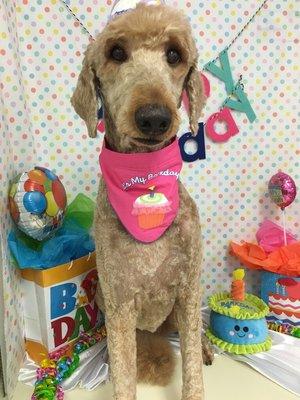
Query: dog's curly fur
(146, 288)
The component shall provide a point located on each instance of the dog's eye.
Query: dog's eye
(117, 53)
(173, 56)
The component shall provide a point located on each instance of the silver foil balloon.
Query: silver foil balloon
(37, 202)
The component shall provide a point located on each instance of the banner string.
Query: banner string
(215, 59)
(242, 30)
(77, 19)
(240, 83)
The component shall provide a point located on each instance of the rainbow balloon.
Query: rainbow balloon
(37, 202)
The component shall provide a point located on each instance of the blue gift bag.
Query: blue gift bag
(282, 294)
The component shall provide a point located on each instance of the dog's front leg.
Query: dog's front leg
(189, 326)
(121, 340)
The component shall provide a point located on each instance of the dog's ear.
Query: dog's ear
(195, 92)
(84, 99)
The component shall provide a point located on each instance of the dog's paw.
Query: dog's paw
(207, 351)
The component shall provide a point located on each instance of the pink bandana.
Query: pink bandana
(143, 189)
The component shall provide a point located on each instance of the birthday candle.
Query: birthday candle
(152, 190)
(238, 285)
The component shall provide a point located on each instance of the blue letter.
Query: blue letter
(62, 299)
(200, 143)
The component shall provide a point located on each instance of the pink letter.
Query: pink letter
(206, 85)
(223, 115)
(101, 126)
(93, 312)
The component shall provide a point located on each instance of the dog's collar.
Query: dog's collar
(143, 189)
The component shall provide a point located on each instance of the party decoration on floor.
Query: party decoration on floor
(61, 365)
(284, 328)
(237, 320)
(280, 281)
(59, 279)
(59, 303)
(278, 255)
(37, 202)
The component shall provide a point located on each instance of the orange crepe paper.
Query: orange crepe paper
(285, 260)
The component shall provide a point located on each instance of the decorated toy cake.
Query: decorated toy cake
(237, 320)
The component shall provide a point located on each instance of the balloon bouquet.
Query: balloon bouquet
(37, 202)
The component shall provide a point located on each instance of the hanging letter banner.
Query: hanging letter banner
(221, 116)
(199, 142)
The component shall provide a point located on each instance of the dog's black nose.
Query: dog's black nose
(153, 119)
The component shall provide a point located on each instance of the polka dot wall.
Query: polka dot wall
(42, 49)
(14, 128)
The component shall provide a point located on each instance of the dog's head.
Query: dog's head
(139, 66)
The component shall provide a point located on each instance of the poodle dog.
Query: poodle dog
(139, 66)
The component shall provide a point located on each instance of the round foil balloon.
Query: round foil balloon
(37, 202)
(282, 189)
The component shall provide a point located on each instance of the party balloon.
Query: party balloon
(48, 173)
(37, 176)
(282, 190)
(59, 193)
(37, 202)
(14, 209)
(30, 186)
(13, 190)
(34, 202)
(52, 207)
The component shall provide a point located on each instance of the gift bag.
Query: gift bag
(282, 294)
(59, 303)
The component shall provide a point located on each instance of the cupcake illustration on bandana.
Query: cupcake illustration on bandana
(151, 209)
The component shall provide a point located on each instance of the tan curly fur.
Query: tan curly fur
(146, 290)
